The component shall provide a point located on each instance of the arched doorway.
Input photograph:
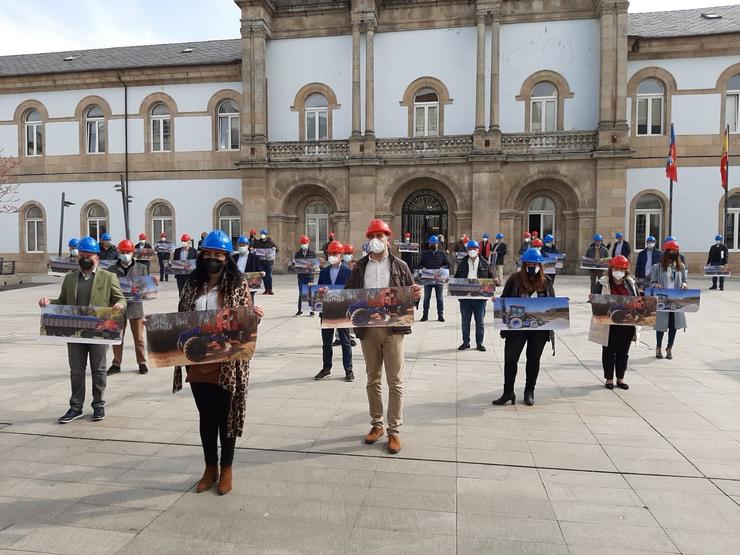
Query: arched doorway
(424, 213)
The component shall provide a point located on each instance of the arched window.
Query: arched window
(650, 107)
(162, 221)
(648, 219)
(426, 113)
(228, 125)
(732, 104)
(230, 220)
(541, 216)
(544, 112)
(95, 127)
(317, 223)
(35, 234)
(160, 127)
(317, 118)
(34, 133)
(97, 221)
(733, 223)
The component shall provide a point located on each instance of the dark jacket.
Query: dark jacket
(400, 277)
(500, 252)
(484, 270)
(511, 289)
(642, 262)
(265, 243)
(549, 250)
(717, 255)
(626, 249)
(434, 259)
(523, 247)
(602, 253)
(408, 257)
(192, 253)
(111, 253)
(162, 255)
(460, 247)
(134, 309)
(251, 262)
(308, 254)
(342, 276)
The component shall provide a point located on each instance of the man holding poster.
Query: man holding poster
(88, 287)
(383, 346)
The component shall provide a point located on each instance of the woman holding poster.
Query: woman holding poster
(615, 340)
(529, 281)
(670, 273)
(219, 389)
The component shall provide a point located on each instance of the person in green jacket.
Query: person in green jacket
(91, 286)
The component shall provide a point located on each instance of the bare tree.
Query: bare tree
(8, 191)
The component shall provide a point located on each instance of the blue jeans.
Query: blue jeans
(303, 279)
(438, 289)
(267, 268)
(327, 339)
(671, 332)
(476, 308)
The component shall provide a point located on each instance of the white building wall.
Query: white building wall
(193, 134)
(135, 136)
(402, 57)
(696, 114)
(8, 140)
(61, 104)
(62, 138)
(187, 97)
(571, 48)
(293, 63)
(696, 201)
(689, 73)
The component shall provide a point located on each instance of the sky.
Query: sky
(28, 26)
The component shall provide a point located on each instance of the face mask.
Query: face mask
(406, 240)
(243, 250)
(73, 252)
(263, 236)
(213, 266)
(377, 245)
(347, 258)
(304, 247)
(184, 245)
(618, 276)
(548, 245)
(718, 242)
(527, 240)
(651, 246)
(532, 271)
(125, 258)
(333, 260)
(473, 254)
(434, 247)
(87, 263)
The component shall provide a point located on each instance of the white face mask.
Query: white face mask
(73, 252)
(548, 245)
(651, 246)
(125, 258)
(304, 247)
(142, 243)
(347, 257)
(263, 236)
(243, 250)
(185, 245)
(377, 245)
(333, 260)
(527, 239)
(473, 254)
(618, 275)
(718, 242)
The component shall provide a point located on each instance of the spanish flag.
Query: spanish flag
(671, 170)
(725, 160)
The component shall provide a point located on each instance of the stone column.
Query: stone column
(259, 84)
(613, 89)
(493, 124)
(486, 186)
(356, 125)
(370, 80)
(480, 79)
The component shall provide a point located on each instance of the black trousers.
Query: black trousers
(163, 275)
(213, 406)
(721, 282)
(616, 354)
(513, 347)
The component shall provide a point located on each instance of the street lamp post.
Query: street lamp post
(65, 204)
(126, 200)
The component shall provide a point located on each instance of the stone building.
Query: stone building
(445, 117)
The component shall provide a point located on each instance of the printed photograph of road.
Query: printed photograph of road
(675, 300)
(81, 324)
(368, 308)
(471, 288)
(531, 313)
(623, 310)
(186, 338)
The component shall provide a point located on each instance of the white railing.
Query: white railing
(451, 145)
(308, 150)
(559, 141)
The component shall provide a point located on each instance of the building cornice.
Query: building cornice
(700, 46)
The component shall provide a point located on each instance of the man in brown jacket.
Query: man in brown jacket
(383, 346)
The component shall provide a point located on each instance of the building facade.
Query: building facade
(447, 117)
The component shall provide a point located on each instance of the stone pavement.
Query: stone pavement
(586, 470)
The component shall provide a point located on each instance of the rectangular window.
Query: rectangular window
(642, 117)
(234, 133)
(641, 230)
(733, 231)
(656, 116)
(223, 133)
(156, 135)
(35, 236)
(432, 121)
(323, 126)
(732, 108)
(647, 223)
(419, 121)
(166, 134)
(96, 228)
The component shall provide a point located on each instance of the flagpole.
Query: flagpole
(727, 186)
(670, 208)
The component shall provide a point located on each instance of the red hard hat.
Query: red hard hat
(125, 246)
(349, 249)
(527, 234)
(378, 226)
(335, 247)
(331, 235)
(536, 242)
(253, 232)
(619, 262)
(185, 238)
(671, 245)
(142, 236)
(535, 234)
(303, 240)
(163, 234)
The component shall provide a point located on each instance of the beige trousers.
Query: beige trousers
(137, 330)
(380, 346)
(499, 275)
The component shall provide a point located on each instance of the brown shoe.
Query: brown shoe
(394, 444)
(374, 435)
(210, 475)
(225, 482)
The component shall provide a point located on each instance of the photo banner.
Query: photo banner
(312, 296)
(531, 313)
(623, 310)
(143, 253)
(61, 265)
(254, 280)
(470, 288)
(409, 247)
(716, 271)
(139, 288)
(201, 337)
(588, 263)
(305, 266)
(265, 254)
(675, 300)
(425, 276)
(164, 248)
(386, 307)
(177, 267)
(81, 324)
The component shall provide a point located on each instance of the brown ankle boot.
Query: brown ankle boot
(374, 434)
(225, 481)
(394, 444)
(210, 475)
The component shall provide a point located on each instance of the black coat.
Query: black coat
(111, 253)
(434, 259)
(717, 255)
(192, 253)
(484, 270)
(251, 262)
(626, 249)
(500, 252)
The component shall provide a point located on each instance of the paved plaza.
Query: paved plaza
(586, 470)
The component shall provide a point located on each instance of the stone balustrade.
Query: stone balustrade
(548, 143)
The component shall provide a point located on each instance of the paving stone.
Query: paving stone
(72, 540)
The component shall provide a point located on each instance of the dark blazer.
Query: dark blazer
(484, 269)
(192, 253)
(642, 262)
(500, 252)
(342, 276)
(434, 259)
(626, 249)
(717, 255)
(111, 253)
(251, 262)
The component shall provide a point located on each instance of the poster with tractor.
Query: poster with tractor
(139, 288)
(675, 300)
(312, 296)
(61, 265)
(386, 307)
(200, 337)
(181, 266)
(143, 253)
(471, 288)
(425, 276)
(304, 266)
(81, 324)
(588, 263)
(254, 280)
(531, 313)
(623, 310)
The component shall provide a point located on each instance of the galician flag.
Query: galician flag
(725, 160)
(671, 169)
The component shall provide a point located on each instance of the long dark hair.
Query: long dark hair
(528, 285)
(231, 275)
(665, 260)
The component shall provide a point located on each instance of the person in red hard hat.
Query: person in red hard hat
(139, 249)
(670, 273)
(615, 340)
(331, 238)
(164, 251)
(526, 239)
(185, 251)
(383, 346)
(304, 251)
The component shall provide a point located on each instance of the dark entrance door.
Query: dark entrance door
(424, 213)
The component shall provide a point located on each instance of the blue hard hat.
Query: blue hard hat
(73, 243)
(669, 238)
(485, 235)
(433, 240)
(532, 256)
(598, 237)
(88, 244)
(499, 236)
(264, 231)
(242, 240)
(718, 238)
(549, 238)
(618, 235)
(105, 237)
(650, 238)
(472, 245)
(218, 241)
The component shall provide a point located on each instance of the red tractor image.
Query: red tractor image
(664, 303)
(381, 308)
(224, 327)
(629, 312)
(517, 317)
